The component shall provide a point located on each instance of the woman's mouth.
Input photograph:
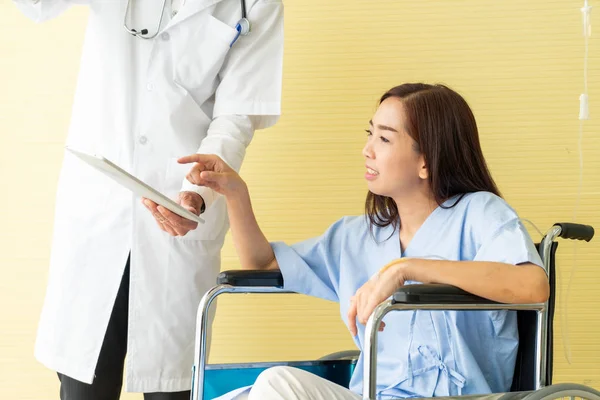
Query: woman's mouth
(371, 174)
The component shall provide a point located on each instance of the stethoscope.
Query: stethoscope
(242, 27)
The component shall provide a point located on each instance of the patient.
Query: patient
(433, 214)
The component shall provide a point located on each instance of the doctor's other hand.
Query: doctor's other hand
(172, 223)
(211, 171)
(374, 292)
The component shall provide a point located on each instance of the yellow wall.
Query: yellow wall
(519, 64)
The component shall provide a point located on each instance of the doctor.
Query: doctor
(158, 79)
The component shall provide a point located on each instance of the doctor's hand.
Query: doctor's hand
(374, 292)
(210, 171)
(172, 223)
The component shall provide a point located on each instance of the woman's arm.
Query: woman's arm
(504, 283)
(254, 251)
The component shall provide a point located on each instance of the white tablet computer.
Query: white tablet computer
(134, 184)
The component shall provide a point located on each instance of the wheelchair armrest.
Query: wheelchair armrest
(251, 278)
(435, 293)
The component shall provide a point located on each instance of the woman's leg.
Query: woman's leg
(287, 383)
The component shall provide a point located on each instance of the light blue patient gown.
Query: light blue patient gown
(422, 353)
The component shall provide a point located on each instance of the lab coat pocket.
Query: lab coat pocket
(214, 217)
(199, 55)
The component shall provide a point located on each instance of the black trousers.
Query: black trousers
(109, 370)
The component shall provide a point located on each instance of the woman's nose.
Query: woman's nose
(367, 151)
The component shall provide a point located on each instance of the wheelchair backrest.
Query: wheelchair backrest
(524, 376)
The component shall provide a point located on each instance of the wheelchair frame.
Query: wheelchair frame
(430, 297)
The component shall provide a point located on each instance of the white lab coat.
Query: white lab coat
(143, 104)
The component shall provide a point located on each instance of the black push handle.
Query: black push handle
(575, 231)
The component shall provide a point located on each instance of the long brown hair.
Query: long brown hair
(443, 126)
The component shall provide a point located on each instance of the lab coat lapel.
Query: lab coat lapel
(190, 7)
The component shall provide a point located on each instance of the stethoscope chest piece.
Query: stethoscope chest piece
(243, 27)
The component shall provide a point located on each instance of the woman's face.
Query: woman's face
(394, 168)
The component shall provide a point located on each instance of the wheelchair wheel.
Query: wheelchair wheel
(565, 390)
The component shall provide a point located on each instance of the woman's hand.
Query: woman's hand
(376, 291)
(210, 171)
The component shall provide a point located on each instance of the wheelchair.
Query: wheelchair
(532, 379)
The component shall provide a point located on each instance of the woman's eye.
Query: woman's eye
(369, 133)
(384, 140)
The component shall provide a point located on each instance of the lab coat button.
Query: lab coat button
(150, 86)
(143, 140)
(165, 36)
